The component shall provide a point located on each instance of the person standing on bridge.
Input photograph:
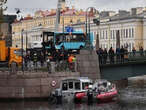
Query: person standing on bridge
(117, 54)
(111, 55)
(122, 51)
(100, 55)
(105, 54)
(141, 51)
(71, 61)
(133, 51)
(35, 60)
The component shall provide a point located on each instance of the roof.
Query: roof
(82, 79)
(77, 32)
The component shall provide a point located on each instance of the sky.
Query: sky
(30, 6)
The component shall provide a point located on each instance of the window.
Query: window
(64, 86)
(106, 34)
(77, 85)
(114, 34)
(70, 85)
(103, 34)
(85, 85)
(100, 35)
(111, 34)
(129, 33)
(126, 33)
(132, 31)
(130, 48)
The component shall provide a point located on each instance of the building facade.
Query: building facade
(47, 20)
(129, 30)
(6, 29)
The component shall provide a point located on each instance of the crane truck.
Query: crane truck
(9, 55)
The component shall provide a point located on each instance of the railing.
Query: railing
(122, 57)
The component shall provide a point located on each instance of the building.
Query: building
(129, 29)
(6, 29)
(47, 20)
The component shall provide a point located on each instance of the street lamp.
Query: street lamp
(22, 47)
(92, 9)
(26, 41)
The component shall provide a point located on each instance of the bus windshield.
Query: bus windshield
(69, 38)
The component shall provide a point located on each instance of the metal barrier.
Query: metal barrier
(122, 58)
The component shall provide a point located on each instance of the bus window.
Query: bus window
(80, 38)
(59, 39)
(75, 38)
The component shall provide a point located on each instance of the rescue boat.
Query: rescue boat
(104, 90)
(83, 88)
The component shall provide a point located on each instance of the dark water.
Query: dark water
(131, 98)
(71, 106)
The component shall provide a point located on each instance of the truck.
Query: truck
(9, 55)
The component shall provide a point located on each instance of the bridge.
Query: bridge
(132, 64)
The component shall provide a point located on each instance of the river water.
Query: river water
(130, 98)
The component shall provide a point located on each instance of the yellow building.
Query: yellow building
(45, 19)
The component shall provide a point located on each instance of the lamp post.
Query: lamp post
(26, 41)
(88, 44)
(22, 47)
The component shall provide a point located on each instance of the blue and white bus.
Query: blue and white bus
(66, 40)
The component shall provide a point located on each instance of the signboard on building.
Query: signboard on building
(69, 29)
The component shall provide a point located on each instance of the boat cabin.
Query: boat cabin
(75, 84)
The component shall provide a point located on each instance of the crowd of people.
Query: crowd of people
(119, 55)
(64, 59)
(32, 58)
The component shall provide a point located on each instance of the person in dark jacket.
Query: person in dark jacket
(105, 54)
(118, 54)
(111, 55)
(26, 59)
(141, 51)
(122, 51)
(133, 51)
(100, 55)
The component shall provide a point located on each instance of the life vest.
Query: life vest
(70, 59)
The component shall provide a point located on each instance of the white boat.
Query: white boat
(72, 89)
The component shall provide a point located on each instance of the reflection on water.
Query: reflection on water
(47, 106)
(70, 106)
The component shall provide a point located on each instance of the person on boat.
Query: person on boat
(101, 88)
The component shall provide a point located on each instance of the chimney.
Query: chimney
(123, 12)
(133, 11)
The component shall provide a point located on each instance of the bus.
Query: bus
(65, 40)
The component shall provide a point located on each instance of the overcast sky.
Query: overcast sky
(29, 6)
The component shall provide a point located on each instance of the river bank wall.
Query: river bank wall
(31, 84)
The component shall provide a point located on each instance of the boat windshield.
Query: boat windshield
(77, 85)
(70, 85)
(64, 86)
(85, 85)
